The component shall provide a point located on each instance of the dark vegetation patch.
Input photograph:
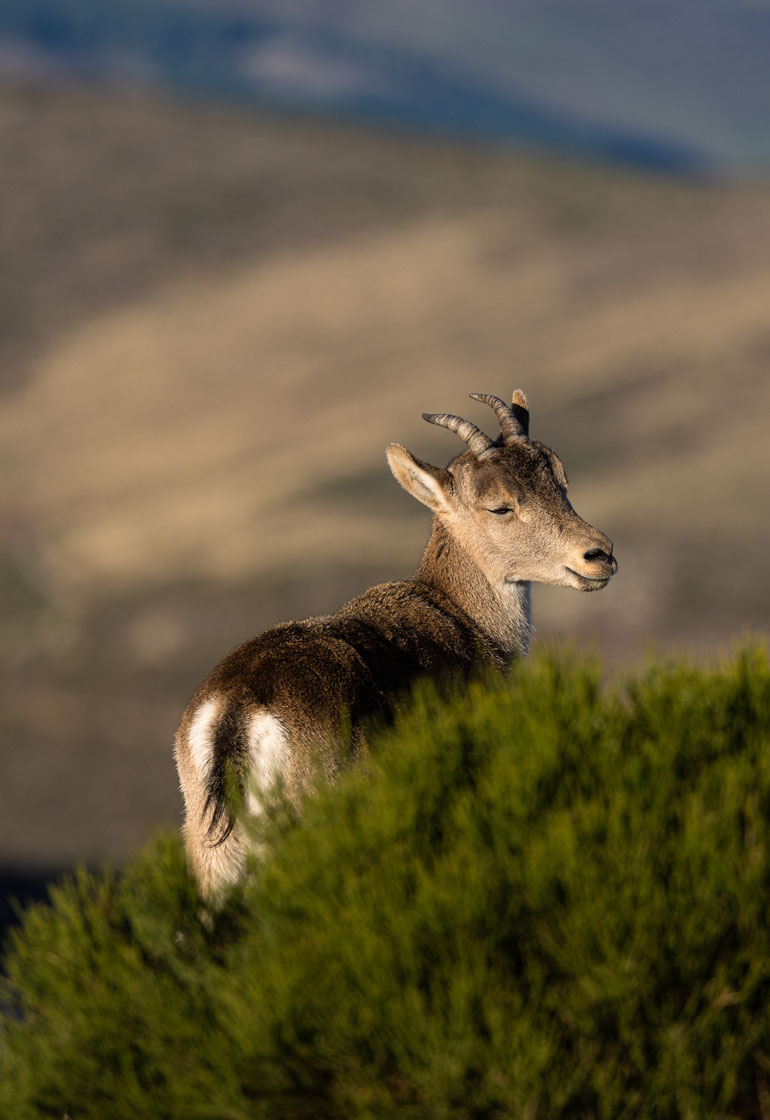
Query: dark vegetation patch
(542, 898)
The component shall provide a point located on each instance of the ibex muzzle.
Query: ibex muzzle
(275, 707)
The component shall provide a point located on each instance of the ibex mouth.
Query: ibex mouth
(588, 583)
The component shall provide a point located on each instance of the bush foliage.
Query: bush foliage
(539, 898)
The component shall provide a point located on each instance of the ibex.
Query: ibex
(296, 700)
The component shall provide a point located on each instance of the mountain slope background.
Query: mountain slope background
(679, 86)
(213, 323)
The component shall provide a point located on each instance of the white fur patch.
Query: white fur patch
(268, 747)
(201, 736)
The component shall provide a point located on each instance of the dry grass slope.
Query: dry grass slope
(215, 323)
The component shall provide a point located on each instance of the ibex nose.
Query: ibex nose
(603, 556)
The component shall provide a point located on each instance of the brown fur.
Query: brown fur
(297, 699)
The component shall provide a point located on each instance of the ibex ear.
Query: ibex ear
(430, 485)
(520, 409)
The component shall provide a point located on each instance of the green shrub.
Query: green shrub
(540, 898)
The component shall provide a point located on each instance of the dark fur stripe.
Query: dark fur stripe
(226, 783)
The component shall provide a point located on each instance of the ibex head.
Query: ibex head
(505, 503)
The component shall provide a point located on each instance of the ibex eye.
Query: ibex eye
(501, 510)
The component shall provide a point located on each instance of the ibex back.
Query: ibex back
(277, 706)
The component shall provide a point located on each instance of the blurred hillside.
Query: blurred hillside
(212, 325)
(681, 86)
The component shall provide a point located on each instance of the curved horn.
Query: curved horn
(473, 436)
(509, 425)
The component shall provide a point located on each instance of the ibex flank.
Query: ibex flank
(296, 700)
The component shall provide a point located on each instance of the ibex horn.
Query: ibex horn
(473, 436)
(510, 426)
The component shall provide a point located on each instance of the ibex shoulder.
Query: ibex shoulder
(374, 646)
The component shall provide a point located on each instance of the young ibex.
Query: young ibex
(276, 707)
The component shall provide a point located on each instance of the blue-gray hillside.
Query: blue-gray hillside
(682, 87)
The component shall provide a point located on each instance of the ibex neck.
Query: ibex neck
(504, 614)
